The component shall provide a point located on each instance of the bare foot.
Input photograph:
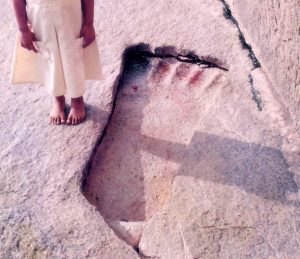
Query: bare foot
(57, 114)
(77, 113)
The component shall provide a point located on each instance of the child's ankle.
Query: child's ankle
(77, 102)
(60, 100)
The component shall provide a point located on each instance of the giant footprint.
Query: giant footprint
(173, 120)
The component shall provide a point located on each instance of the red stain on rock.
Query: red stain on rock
(160, 71)
(196, 77)
(135, 87)
(182, 70)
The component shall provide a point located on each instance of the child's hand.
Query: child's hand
(27, 39)
(88, 32)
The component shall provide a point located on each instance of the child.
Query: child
(56, 46)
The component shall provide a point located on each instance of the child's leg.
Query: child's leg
(42, 20)
(68, 28)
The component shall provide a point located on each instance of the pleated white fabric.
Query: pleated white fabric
(62, 64)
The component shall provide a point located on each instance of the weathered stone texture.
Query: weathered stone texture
(189, 167)
(272, 26)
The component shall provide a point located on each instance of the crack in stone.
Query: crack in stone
(190, 58)
(256, 97)
(141, 255)
(228, 15)
(227, 228)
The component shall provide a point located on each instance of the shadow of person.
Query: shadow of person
(254, 168)
(95, 114)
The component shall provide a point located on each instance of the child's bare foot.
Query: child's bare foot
(77, 113)
(57, 114)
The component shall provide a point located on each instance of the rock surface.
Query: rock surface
(273, 27)
(187, 166)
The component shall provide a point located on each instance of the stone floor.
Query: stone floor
(173, 161)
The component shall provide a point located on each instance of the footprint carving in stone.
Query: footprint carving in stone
(155, 98)
(156, 133)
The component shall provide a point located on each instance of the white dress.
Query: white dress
(62, 64)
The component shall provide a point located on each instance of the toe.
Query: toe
(69, 120)
(62, 120)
